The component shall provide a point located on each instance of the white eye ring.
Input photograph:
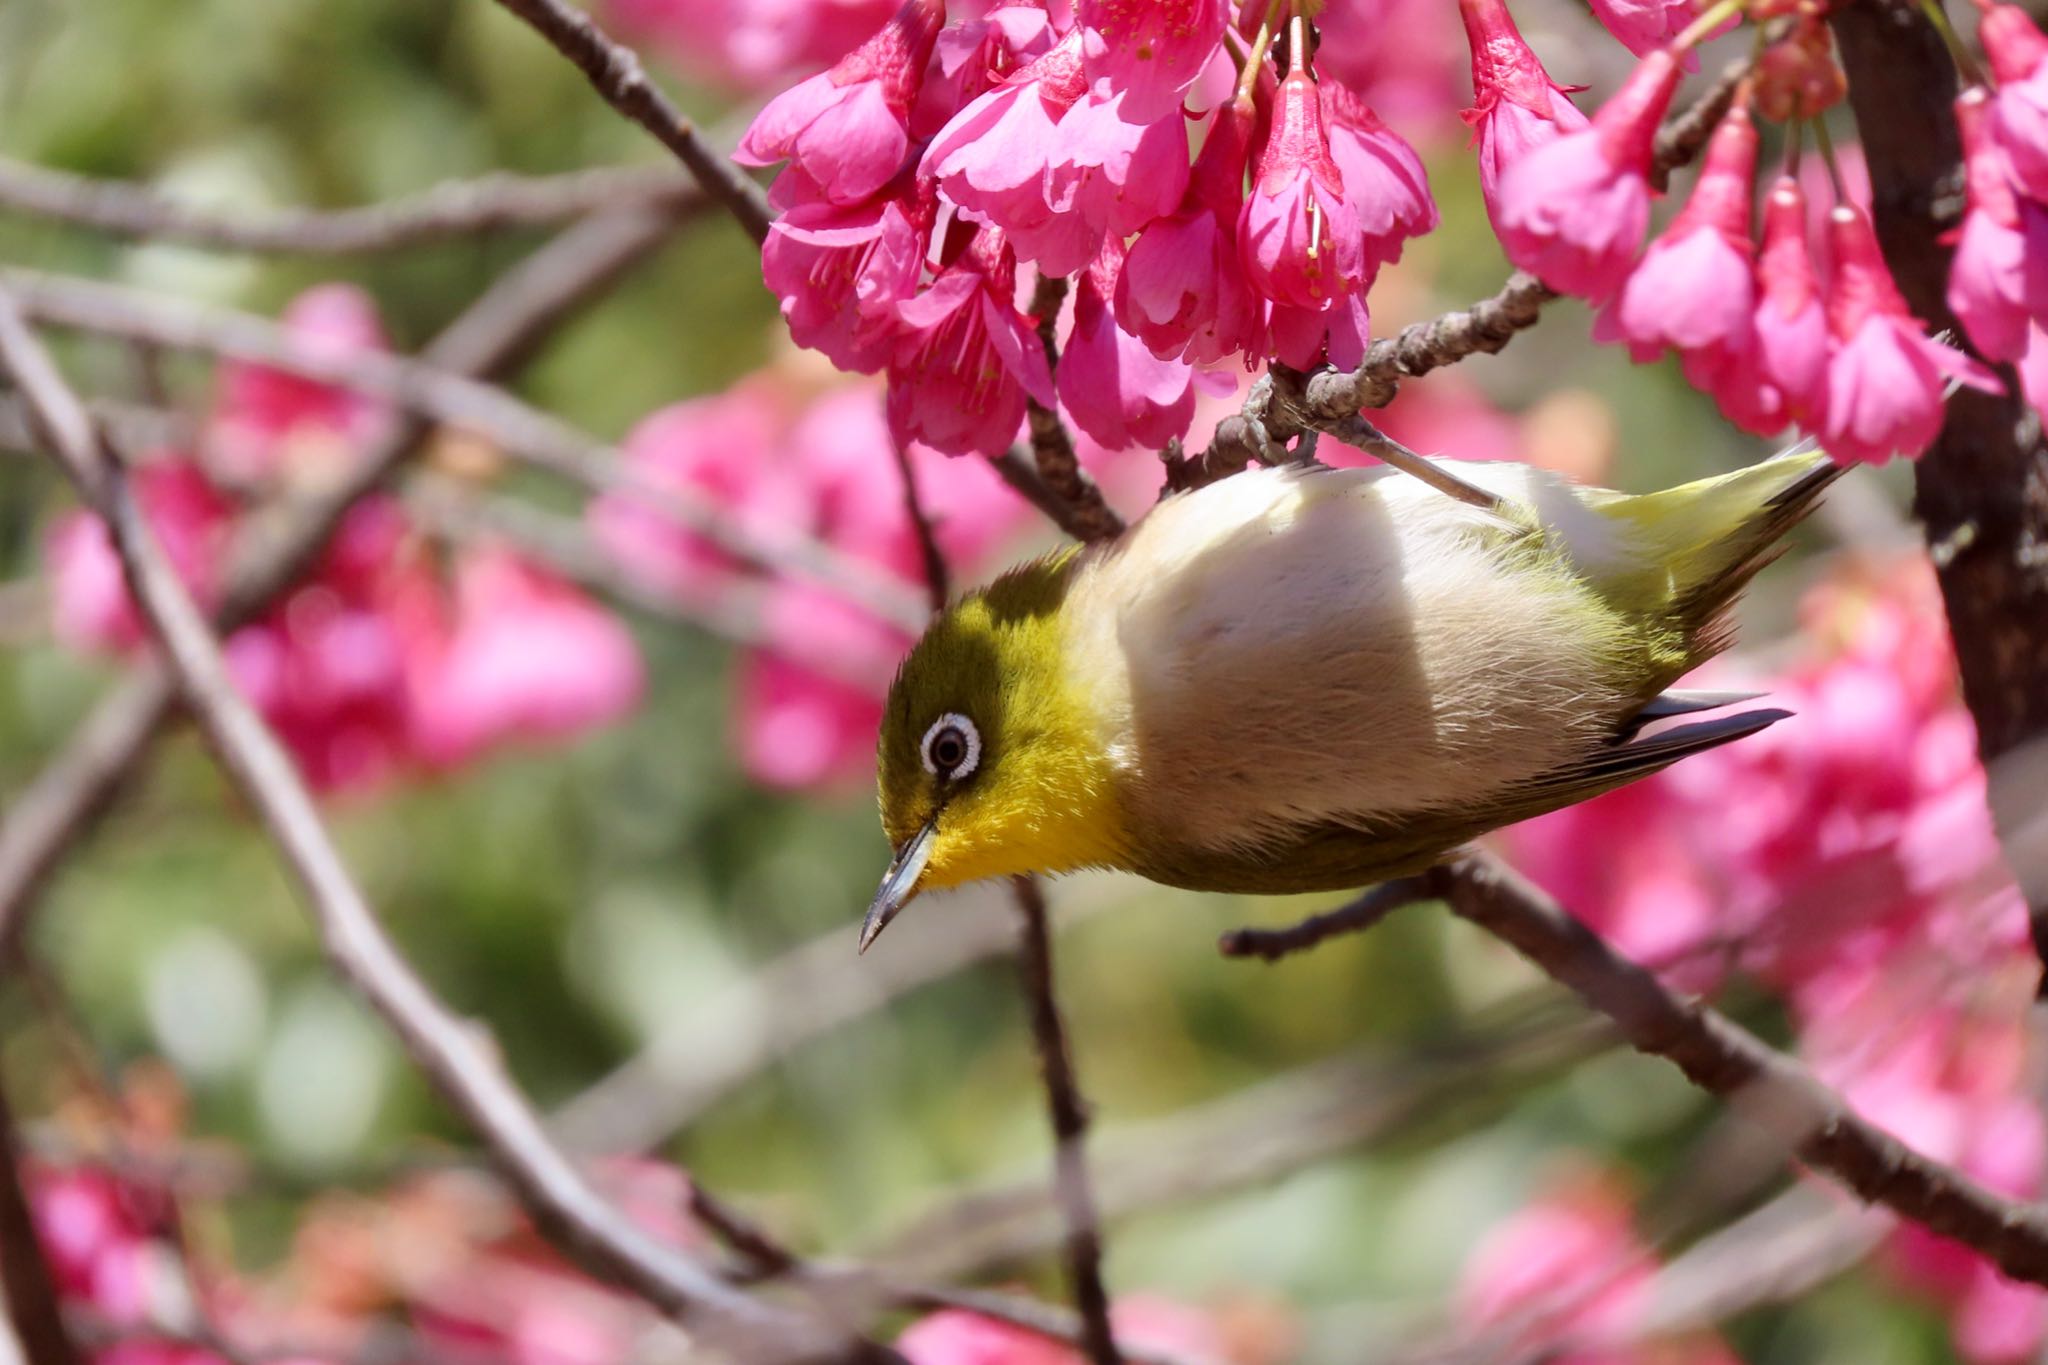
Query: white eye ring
(968, 735)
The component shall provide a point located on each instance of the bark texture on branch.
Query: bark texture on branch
(1982, 491)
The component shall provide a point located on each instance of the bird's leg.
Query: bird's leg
(1369, 438)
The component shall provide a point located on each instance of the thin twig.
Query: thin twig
(456, 208)
(1089, 516)
(1725, 1059)
(1352, 917)
(454, 1053)
(522, 430)
(26, 1287)
(938, 585)
(615, 71)
(43, 821)
(1069, 1113)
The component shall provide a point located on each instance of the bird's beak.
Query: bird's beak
(899, 883)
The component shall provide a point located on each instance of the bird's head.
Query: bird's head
(990, 762)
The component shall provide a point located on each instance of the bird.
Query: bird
(1301, 678)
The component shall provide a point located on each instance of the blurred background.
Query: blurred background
(645, 876)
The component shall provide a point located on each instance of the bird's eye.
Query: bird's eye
(952, 747)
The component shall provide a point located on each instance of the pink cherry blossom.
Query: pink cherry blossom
(1887, 377)
(1114, 388)
(528, 657)
(1694, 290)
(1418, 83)
(268, 423)
(1573, 211)
(1999, 279)
(1516, 107)
(1383, 177)
(1149, 51)
(750, 45)
(1182, 290)
(1790, 327)
(992, 159)
(1117, 174)
(1645, 26)
(2019, 59)
(847, 128)
(975, 53)
(840, 271)
(90, 609)
(966, 359)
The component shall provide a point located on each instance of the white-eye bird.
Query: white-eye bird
(1309, 679)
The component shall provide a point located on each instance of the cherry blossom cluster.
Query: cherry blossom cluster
(389, 656)
(1845, 858)
(934, 161)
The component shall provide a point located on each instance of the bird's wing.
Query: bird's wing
(1338, 854)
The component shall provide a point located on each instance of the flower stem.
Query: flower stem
(1297, 42)
(1795, 143)
(1699, 28)
(1827, 154)
(1248, 77)
(1961, 55)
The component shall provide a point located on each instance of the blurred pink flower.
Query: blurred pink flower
(526, 656)
(1644, 26)
(1109, 383)
(268, 423)
(1694, 290)
(966, 358)
(2019, 59)
(954, 1336)
(1572, 212)
(1148, 51)
(1516, 107)
(1998, 282)
(755, 45)
(90, 609)
(846, 128)
(1887, 376)
(1415, 83)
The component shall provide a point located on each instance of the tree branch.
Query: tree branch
(614, 70)
(1726, 1059)
(1982, 489)
(1086, 515)
(454, 209)
(26, 1289)
(493, 333)
(455, 1054)
(1069, 1114)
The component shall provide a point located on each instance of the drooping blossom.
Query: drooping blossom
(1998, 281)
(965, 358)
(1298, 235)
(1383, 177)
(267, 422)
(1182, 290)
(1116, 173)
(1113, 387)
(1790, 354)
(1516, 107)
(847, 128)
(1887, 376)
(1149, 51)
(2019, 59)
(975, 53)
(1572, 212)
(840, 270)
(1694, 290)
(1645, 26)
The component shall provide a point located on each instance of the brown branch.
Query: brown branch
(614, 70)
(493, 333)
(1352, 917)
(1069, 1114)
(1725, 1059)
(1087, 515)
(26, 1288)
(455, 209)
(1982, 490)
(937, 583)
(522, 430)
(456, 1054)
